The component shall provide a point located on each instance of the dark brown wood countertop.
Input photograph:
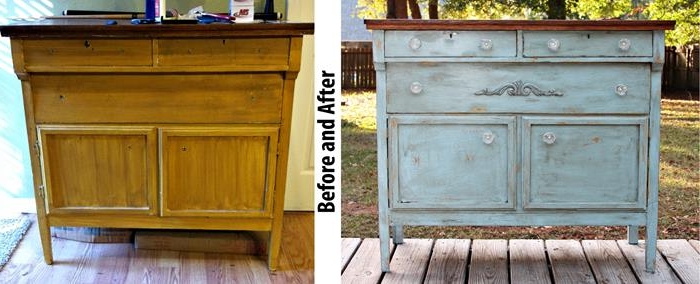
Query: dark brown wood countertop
(65, 28)
(531, 25)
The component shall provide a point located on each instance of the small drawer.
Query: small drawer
(450, 43)
(518, 88)
(223, 52)
(88, 52)
(587, 44)
(166, 98)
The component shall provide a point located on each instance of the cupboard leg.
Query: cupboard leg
(633, 235)
(274, 247)
(650, 256)
(45, 234)
(384, 246)
(398, 234)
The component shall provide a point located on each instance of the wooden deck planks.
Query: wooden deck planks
(528, 262)
(635, 257)
(409, 262)
(489, 262)
(348, 247)
(448, 262)
(695, 244)
(568, 262)
(684, 260)
(364, 267)
(607, 262)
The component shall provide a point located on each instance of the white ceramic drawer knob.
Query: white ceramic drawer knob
(486, 44)
(621, 90)
(488, 137)
(553, 44)
(414, 43)
(624, 44)
(549, 138)
(416, 88)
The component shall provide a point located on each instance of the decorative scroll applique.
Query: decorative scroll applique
(519, 88)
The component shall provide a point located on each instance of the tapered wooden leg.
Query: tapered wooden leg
(650, 257)
(384, 246)
(45, 234)
(273, 245)
(398, 234)
(633, 235)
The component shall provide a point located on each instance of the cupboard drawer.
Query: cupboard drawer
(158, 98)
(88, 52)
(223, 52)
(517, 88)
(587, 44)
(584, 163)
(450, 43)
(452, 162)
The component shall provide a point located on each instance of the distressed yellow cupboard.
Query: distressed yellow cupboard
(158, 126)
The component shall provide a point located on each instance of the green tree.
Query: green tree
(687, 17)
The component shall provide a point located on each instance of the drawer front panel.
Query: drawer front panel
(236, 98)
(452, 162)
(88, 52)
(99, 169)
(228, 171)
(223, 52)
(584, 163)
(517, 88)
(587, 44)
(450, 44)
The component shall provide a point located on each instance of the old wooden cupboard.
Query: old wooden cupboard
(158, 126)
(518, 123)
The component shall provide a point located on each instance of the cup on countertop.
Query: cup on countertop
(243, 10)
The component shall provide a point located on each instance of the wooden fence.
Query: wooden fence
(357, 66)
(680, 70)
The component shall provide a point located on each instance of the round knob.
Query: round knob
(549, 138)
(624, 44)
(553, 44)
(488, 137)
(414, 43)
(486, 44)
(416, 88)
(621, 90)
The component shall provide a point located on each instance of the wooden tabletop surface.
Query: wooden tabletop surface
(52, 28)
(588, 25)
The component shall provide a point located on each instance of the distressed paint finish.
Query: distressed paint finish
(449, 43)
(453, 87)
(597, 103)
(588, 43)
(446, 162)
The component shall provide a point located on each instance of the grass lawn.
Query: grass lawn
(679, 193)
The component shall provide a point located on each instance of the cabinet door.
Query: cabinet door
(210, 171)
(584, 163)
(452, 162)
(100, 169)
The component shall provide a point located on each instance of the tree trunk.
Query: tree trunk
(401, 9)
(556, 9)
(415, 9)
(433, 9)
(390, 9)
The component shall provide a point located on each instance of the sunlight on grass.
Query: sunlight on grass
(679, 191)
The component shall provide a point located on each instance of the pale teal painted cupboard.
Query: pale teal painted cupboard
(518, 123)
